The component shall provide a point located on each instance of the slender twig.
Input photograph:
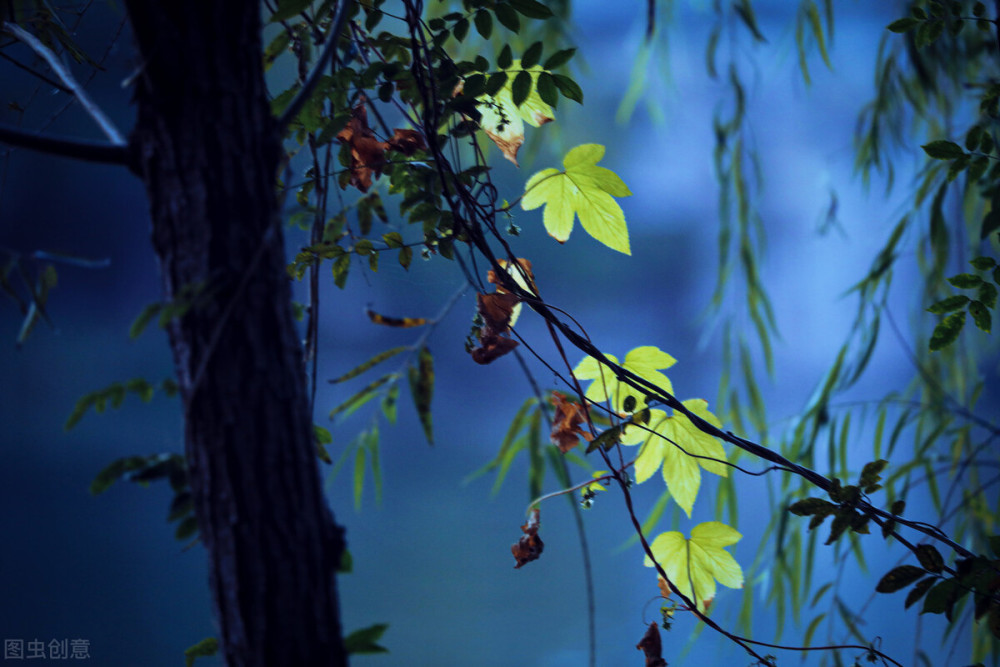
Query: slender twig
(568, 490)
(103, 122)
(35, 73)
(79, 149)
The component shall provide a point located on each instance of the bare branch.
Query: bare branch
(90, 151)
(109, 129)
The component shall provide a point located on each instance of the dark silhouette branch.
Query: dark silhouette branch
(78, 149)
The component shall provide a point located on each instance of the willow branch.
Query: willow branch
(109, 129)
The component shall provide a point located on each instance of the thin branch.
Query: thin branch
(66, 77)
(332, 37)
(35, 73)
(91, 151)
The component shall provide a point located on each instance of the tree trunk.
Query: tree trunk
(207, 149)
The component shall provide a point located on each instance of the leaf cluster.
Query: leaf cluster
(31, 295)
(114, 396)
(947, 330)
(944, 588)
(929, 20)
(145, 469)
(844, 508)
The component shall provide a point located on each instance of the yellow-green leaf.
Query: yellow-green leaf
(701, 560)
(582, 190)
(646, 362)
(677, 445)
(503, 120)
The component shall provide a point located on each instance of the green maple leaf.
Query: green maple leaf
(700, 561)
(645, 361)
(583, 190)
(662, 446)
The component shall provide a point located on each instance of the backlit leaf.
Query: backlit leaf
(511, 100)
(701, 560)
(681, 448)
(583, 190)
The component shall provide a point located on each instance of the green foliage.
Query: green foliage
(145, 469)
(942, 588)
(206, 648)
(584, 190)
(114, 396)
(365, 640)
(421, 376)
(948, 329)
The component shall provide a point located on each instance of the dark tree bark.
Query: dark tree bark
(207, 149)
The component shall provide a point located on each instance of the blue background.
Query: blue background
(432, 559)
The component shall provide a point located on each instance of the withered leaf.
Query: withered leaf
(530, 546)
(652, 648)
(367, 152)
(664, 587)
(492, 348)
(406, 142)
(401, 322)
(495, 309)
(566, 425)
(525, 264)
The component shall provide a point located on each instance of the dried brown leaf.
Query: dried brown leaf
(530, 546)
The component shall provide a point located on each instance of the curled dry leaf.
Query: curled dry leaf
(652, 648)
(494, 342)
(566, 426)
(530, 546)
(664, 587)
(499, 311)
(400, 322)
(367, 152)
(406, 142)
(518, 275)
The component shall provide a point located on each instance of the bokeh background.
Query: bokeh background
(432, 557)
